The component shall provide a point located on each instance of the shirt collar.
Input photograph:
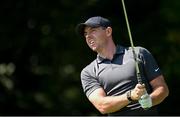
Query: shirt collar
(119, 50)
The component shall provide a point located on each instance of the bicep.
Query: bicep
(159, 82)
(96, 96)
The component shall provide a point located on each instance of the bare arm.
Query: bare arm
(160, 90)
(108, 104)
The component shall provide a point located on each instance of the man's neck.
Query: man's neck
(108, 52)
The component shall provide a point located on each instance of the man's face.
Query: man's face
(95, 37)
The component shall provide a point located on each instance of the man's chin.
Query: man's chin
(94, 48)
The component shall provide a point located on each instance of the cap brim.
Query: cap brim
(80, 28)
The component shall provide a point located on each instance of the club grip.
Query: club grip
(139, 78)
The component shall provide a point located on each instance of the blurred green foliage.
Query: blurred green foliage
(42, 57)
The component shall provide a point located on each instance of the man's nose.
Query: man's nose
(87, 35)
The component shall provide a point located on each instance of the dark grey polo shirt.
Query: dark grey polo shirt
(118, 75)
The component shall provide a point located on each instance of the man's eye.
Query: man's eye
(85, 34)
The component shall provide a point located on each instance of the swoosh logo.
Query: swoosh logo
(156, 69)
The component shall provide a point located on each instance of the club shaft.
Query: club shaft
(132, 45)
(127, 23)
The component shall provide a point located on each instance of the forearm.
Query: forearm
(113, 103)
(160, 90)
(158, 95)
(108, 104)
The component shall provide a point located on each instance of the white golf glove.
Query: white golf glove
(145, 101)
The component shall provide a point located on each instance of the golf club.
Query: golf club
(145, 99)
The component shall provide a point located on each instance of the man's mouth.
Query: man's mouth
(91, 43)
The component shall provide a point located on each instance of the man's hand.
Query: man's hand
(138, 91)
(145, 101)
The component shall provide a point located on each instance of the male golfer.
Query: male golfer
(110, 81)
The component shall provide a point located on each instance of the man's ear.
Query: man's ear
(108, 31)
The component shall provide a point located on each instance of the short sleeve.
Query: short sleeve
(151, 67)
(89, 81)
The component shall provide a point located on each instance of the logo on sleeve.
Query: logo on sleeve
(156, 69)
